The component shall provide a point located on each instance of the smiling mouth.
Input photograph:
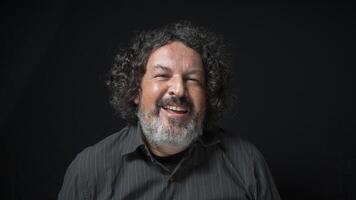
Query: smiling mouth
(176, 109)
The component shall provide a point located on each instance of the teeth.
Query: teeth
(175, 108)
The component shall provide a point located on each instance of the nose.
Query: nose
(177, 87)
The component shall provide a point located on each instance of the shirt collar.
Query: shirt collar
(208, 139)
(133, 139)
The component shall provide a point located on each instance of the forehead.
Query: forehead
(176, 56)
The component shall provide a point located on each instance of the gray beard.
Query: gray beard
(175, 134)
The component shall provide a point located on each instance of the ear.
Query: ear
(137, 99)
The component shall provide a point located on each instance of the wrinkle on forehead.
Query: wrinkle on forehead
(176, 55)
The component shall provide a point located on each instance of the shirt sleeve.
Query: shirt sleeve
(74, 186)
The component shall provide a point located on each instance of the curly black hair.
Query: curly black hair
(129, 66)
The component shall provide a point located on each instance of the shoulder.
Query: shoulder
(249, 164)
(242, 154)
(91, 165)
(238, 147)
(109, 145)
(100, 157)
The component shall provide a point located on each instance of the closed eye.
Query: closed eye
(193, 79)
(161, 76)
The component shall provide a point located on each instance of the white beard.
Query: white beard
(157, 133)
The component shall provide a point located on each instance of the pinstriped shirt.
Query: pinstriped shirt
(216, 166)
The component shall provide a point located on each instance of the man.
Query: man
(170, 86)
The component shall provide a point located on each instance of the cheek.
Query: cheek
(151, 94)
(155, 89)
(199, 99)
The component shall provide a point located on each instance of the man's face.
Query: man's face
(172, 101)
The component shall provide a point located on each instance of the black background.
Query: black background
(292, 73)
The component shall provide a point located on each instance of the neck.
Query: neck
(165, 150)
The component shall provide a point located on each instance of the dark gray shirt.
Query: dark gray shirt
(216, 166)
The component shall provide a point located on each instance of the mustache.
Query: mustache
(183, 101)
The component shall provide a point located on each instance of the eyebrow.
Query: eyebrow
(196, 71)
(161, 67)
(165, 68)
